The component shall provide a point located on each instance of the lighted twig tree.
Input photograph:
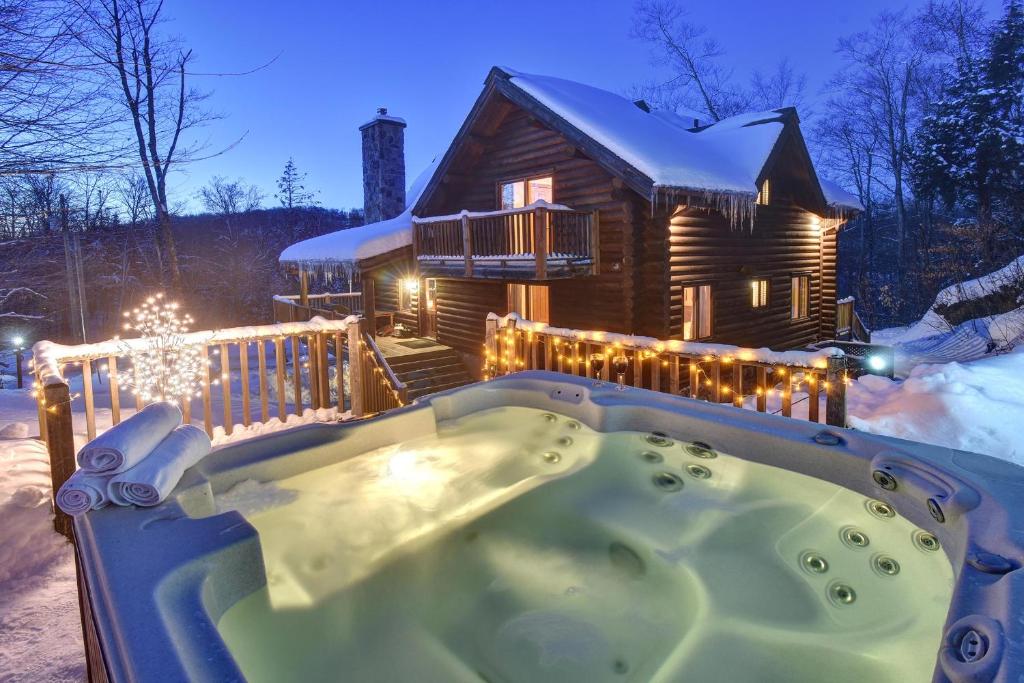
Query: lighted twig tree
(164, 366)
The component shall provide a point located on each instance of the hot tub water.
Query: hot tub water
(518, 545)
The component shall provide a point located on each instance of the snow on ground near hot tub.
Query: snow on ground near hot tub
(40, 630)
(973, 406)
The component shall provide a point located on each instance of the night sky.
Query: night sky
(337, 61)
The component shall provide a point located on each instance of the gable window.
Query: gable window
(529, 301)
(759, 293)
(801, 296)
(697, 312)
(515, 194)
(764, 195)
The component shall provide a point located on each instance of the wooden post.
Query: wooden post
(673, 375)
(90, 408)
(694, 379)
(261, 359)
(279, 371)
(369, 308)
(296, 376)
(303, 288)
(715, 373)
(225, 387)
(491, 345)
(207, 404)
(314, 371)
(595, 242)
(339, 370)
(467, 245)
(18, 361)
(812, 396)
(60, 442)
(243, 365)
(835, 392)
(737, 385)
(357, 391)
(762, 384)
(540, 242)
(323, 366)
(510, 345)
(115, 394)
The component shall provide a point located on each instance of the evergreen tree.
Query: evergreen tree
(292, 193)
(291, 190)
(969, 151)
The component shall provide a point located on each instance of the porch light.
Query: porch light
(876, 363)
(18, 342)
(815, 224)
(412, 284)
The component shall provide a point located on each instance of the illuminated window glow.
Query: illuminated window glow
(759, 293)
(801, 296)
(697, 312)
(516, 194)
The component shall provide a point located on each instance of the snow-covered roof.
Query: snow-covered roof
(726, 157)
(366, 241)
(837, 197)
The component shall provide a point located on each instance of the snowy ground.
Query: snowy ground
(976, 405)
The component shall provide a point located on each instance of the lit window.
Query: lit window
(431, 294)
(516, 194)
(764, 195)
(407, 290)
(697, 312)
(759, 293)
(801, 288)
(530, 302)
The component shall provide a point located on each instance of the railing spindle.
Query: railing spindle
(296, 375)
(280, 369)
(243, 368)
(115, 394)
(90, 407)
(207, 403)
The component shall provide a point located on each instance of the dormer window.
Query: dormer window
(515, 194)
(764, 195)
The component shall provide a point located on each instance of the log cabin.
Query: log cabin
(575, 206)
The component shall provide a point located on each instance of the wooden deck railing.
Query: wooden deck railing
(294, 371)
(553, 242)
(288, 307)
(848, 322)
(711, 372)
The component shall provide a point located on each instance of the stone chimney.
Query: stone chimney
(383, 166)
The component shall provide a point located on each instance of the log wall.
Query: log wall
(519, 147)
(783, 242)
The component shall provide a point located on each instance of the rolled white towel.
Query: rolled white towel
(83, 492)
(153, 479)
(125, 444)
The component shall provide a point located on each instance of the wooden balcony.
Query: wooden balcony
(532, 243)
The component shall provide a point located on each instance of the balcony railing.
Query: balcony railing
(289, 307)
(538, 241)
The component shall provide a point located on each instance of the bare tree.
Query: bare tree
(149, 73)
(51, 117)
(229, 197)
(698, 79)
(882, 81)
(783, 87)
(132, 193)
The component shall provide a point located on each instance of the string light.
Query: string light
(164, 368)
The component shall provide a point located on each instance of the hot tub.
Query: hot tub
(541, 528)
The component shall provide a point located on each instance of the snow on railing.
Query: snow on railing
(751, 378)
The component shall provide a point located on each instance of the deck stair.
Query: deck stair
(427, 371)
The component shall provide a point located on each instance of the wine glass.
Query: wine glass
(596, 365)
(621, 365)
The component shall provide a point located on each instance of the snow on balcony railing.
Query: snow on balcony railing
(758, 379)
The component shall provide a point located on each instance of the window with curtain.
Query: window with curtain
(801, 297)
(516, 194)
(529, 301)
(697, 312)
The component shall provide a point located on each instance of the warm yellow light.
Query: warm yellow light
(411, 284)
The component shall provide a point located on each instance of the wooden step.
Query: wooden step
(420, 363)
(439, 379)
(416, 393)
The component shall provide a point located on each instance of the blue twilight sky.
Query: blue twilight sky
(426, 61)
